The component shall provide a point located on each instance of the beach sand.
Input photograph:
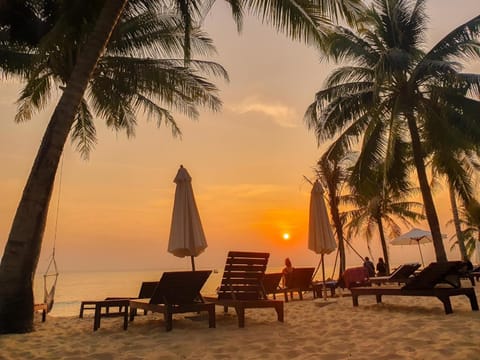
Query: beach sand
(399, 328)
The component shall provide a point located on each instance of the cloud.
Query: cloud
(280, 114)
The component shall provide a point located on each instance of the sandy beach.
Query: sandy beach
(399, 328)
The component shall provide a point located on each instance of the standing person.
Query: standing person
(381, 267)
(370, 267)
(287, 272)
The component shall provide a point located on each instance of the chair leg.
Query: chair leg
(473, 300)
(240, 310)
(446, 304)
(279, 310)
(379, 298)
(168, 316)
(96, 320)
(211, 316)
(133, 313)
(355, 300)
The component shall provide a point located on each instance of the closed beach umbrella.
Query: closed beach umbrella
(186, 233)
(320, 235)
(414, 237)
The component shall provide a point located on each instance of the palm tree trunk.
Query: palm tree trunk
(20, 259)
(383, 241)
(456, 222)
(430, 210)
(337, 222)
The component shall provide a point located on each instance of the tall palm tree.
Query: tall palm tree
(394, 91)
(379, 204)
(298, 19)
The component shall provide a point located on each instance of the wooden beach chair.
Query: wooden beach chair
(299, 280)
(271, 283)
(177, 292)
(400, 275)
(242, 286)
(440, 280)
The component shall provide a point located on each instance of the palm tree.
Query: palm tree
(459, 169)
(131, 75)
(395, 92)
(470, 219)
(19, 261)
(378, 204)
(333, 173)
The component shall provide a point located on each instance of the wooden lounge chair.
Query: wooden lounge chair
(146, 291)
(177, 292)
(400, 275)
(299, 280)
(242, 286)
(271, 283)
(441, 280)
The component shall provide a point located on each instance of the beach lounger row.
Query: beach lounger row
(179, 292)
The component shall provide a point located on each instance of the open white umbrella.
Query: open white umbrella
(414, 237)
(186, 233)
(320, 235)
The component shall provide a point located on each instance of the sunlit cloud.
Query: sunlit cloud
(280, 114)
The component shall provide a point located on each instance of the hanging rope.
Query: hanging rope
(52, 269)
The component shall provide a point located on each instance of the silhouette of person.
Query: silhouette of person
(370, 267)
(287, 272)
(381, 267)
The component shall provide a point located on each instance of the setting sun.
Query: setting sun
(286, 236)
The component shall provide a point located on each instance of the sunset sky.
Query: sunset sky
(247, 162)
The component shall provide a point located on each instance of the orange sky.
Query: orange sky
(247, 164)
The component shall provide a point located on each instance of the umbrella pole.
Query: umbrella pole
(192, 258)
(324, 285)
(421, 255)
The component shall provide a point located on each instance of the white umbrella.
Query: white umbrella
(414, 237)
(186, 232)
(320, 235)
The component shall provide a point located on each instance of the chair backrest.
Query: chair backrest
(404, 271)
(147, 289)
(436, 273)
(242, 276)
(271, 282)
(301, 278)
(356, 276)
(179, 287)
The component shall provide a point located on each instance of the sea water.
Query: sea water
(74, 287)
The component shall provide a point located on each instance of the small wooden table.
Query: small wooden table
(317, 288)
(103, 309)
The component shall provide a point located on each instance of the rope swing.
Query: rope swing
(52, 269)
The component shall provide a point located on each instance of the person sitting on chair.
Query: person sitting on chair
(381, 267)
(370, 267)
(287, 272)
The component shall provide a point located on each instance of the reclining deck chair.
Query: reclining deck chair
(400, 275)
(441, 280)
(299, 280)
(177, 292)
(271, 283)
(242, 286)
